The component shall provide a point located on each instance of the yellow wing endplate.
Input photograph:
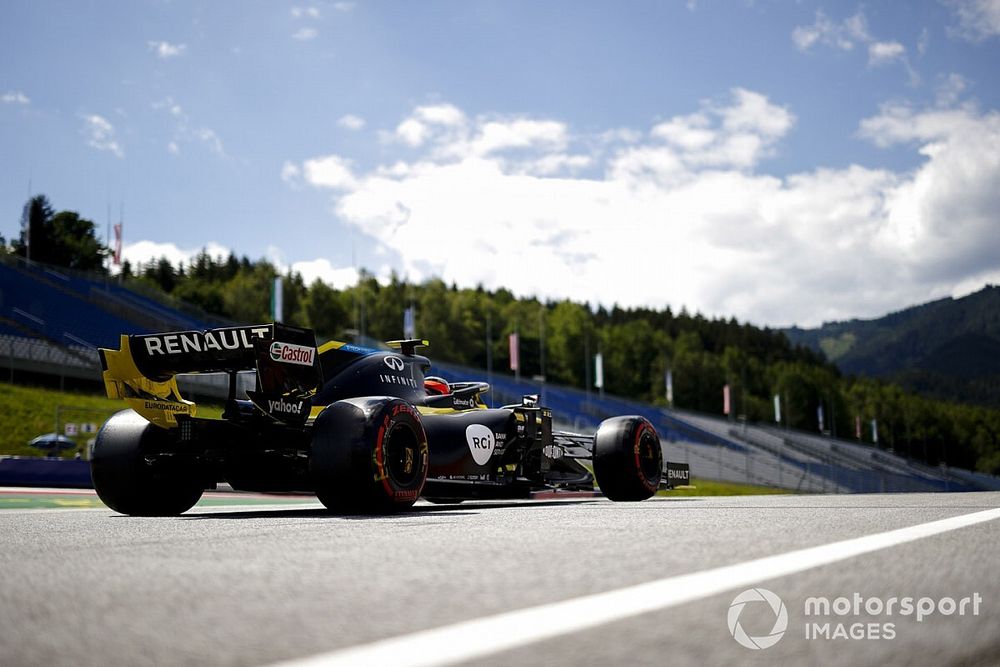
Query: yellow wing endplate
(159, 402)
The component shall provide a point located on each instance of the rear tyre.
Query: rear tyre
(628, 460)
(129, 480)
(369, 456)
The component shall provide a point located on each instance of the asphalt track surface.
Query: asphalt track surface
(264, 584)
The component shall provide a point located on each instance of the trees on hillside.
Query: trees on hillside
(63, 238)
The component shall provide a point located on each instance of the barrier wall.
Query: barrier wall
(56, 473)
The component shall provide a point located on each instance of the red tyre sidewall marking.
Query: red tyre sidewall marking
(380, 457)
(394, 493)
(648, 483)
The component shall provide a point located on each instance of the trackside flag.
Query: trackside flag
(276, 300)
(875, 431)
(409, 324)
(725, 400)
(819, 416)
(857, 426)
(599, 370)
(670, 388)
(777, 408)
(515, 352)
(118, 245)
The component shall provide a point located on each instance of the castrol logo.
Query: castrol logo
(289, 353)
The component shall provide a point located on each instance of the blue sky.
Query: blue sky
(783, 162)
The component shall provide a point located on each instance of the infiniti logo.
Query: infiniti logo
(394, 362)
(780, 618)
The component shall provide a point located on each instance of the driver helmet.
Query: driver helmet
(436, 386)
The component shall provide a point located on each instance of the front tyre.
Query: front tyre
(369, 456)
(127, 476)
(628, 459)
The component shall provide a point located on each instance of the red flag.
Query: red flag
(118, 244)
(515, 352)
(725, 399)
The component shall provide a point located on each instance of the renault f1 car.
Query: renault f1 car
(366, 430)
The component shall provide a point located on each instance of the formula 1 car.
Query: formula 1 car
(364, 429)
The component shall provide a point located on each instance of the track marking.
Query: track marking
(485, 636)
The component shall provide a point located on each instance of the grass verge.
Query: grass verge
(704, 487)
(27, 412)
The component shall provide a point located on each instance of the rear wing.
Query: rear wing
(142, 371)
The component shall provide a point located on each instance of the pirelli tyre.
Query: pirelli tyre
(130, 478)
(369, 456)
(628, 460)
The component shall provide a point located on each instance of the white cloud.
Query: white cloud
(145, 251)
(321, 269)
(686, 216)
(735, 135)
(686, 132)
(851, 32)
(290, 173)
(441, 119)
(411, 132)
(351, 122)
(950, 89)
(305, 34)
(166, 49)
(550, 165)
(182, 130)
(880, 53)
(100, 134)
(844, 35)
(344, 6)
(15, 97)
(142, 252)
(923, 42)
(978, 20)
(330, 171)
(210, 139)
(305, 12)
(440, 114)
(942, 218)
(495, 136)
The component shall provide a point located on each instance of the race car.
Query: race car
(367, 430)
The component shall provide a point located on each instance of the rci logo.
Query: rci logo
(780, 618)
(394, 362)
(481, 442)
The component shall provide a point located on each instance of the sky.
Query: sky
(778, 162)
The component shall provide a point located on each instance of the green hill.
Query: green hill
(947, 349)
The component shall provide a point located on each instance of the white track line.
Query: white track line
(492, 634)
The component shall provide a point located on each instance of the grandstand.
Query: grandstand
(724, 450)
(52, 321)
